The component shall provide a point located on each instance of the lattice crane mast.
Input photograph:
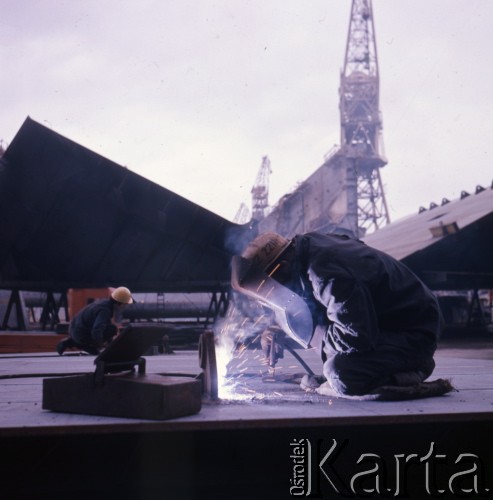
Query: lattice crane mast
(361, 123)
(242, 216)
(260, 190)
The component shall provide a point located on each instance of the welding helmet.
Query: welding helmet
(251, 274)
(122, 295)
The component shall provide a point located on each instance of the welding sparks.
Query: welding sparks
(240, 365)
(231, 354)
(235, 357)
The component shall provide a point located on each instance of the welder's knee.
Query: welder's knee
(345, 377)
(335, 372)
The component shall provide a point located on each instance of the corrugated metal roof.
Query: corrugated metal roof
(411, 234)
(448, 246)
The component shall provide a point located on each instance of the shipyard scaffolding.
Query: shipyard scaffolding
(345, 194)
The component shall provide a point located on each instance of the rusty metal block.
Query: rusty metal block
(116, 389)
(132, 395)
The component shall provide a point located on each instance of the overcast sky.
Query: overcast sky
(192, 93)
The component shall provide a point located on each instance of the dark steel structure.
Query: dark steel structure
(70, 218)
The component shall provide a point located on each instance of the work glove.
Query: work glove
(272, 343)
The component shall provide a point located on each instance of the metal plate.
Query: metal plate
(70, 218)
(132, 343)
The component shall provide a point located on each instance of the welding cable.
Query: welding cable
(40, 375)
(42, 356)
(69, 374)
(300, 360)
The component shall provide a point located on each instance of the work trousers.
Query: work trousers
(357, 373)
(83, 340)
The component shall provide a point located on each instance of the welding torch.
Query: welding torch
(272, 342)
(273, 345)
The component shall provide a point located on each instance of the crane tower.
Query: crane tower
(260, 190)
(361, 123)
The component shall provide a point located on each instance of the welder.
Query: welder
(372, 319)
(93, 326)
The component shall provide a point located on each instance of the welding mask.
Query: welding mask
(248, 277)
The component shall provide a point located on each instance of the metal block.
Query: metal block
(131, 395)
(116, 389)
(208, 363)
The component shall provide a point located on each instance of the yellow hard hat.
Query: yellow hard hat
(265, 249)
(122, 294)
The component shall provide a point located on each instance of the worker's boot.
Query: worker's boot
(430, 389)
(406, 379)
(310, 383)
(412, 378)
(90, 349)
(62, 346)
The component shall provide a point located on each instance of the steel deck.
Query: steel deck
(221, 448)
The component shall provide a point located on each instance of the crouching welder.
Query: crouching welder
(374, 322)
(92, 326)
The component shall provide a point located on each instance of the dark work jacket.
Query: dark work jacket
(363, 298)
(89, 324)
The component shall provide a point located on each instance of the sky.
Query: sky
(191, 94)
